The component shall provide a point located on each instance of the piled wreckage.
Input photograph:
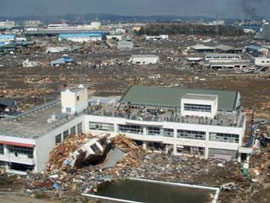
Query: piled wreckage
(79, 151)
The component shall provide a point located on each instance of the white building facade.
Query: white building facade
(144, 59)
(204, 129)
(125, 45)
(262, 61)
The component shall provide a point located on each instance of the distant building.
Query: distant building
(32, 23)
(7, 38)
(58, 26)
(125, 45)
(225, 60)
(62, 61)
(95, 25)
(257, 50)
(264, 33)
(137, 28)
(120, 31)
(144, 59)
(222, 57)
(56, 49)
(262, 61)
(114, 37)
(7, 24)
(85, 37)
(217, 22)
(159, 37)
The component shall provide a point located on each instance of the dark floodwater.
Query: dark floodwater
(153, 192)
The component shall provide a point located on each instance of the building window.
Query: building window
(153, 131)
(79, 128)
(65, 134)
(190, 134)
(73, 130)
(58, 139)
(168, 132)
(101, 126)
(21, 167)
(78, 98)
(131, 129)
(95, 148)
(224, 137)
(197, 107)
(1, 149)
(20, 150)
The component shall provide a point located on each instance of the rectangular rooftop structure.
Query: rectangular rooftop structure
(170, 97)
(199, 105)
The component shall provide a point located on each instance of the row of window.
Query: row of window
(197, 107)
(224, 137)
(20, 150)
(153, 131)
(66, 133)
(190, 134)
(222, 57)
(131, 129)
(168, 132)
(265, 61)
(187, 134)
(101, 126)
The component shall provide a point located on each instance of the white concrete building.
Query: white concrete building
(223, 57)
(144, 59)
(7, 24)
(84, 37)
(31, 23)
(262, 61)
(225, 60)
(212, 126)
(125, 45)
(159, 37)
(74, 100)
(27, 139)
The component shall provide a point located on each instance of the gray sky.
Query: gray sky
(221, 8)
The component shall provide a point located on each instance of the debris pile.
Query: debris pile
(61, 152)
(134, 153)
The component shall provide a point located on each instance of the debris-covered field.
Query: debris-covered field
(60, 183)
(105, 70)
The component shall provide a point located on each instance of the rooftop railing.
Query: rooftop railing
(220, 121)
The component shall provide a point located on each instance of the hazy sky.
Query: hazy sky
(221, 8)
